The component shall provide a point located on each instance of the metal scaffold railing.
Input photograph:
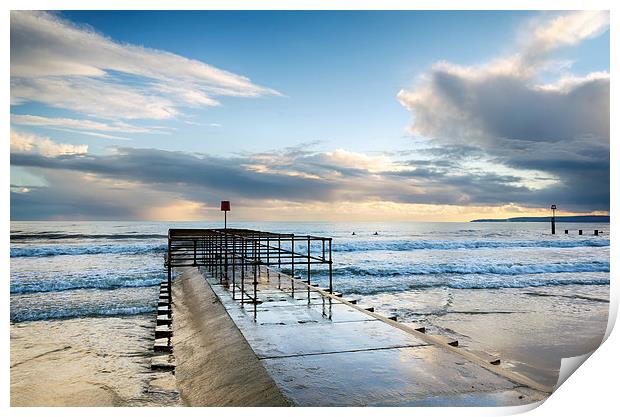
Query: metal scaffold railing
(235, 256)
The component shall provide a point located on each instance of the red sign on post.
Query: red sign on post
(225, 206)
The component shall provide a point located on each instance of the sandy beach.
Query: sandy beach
(87, 362)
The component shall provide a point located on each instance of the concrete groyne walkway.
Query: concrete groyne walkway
(305, 348)
(215, 366)
(245, 333)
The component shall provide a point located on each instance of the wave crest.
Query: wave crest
(411, 245)
(42, 251)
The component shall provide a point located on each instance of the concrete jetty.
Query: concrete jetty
(215, 364)
(289, 342)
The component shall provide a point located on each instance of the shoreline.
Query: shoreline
(103, 359)
(94, 361)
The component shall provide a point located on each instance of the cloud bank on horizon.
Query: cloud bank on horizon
(491, 138)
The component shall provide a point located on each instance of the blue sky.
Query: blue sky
(346, 88)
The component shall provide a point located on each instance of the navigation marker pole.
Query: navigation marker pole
(225, 207)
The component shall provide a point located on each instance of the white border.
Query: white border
(590, 391)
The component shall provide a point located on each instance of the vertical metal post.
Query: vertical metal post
(293, 266)
(233, 265)
(330, 266)
(268, 244)
(169, 277)
(308, 270)
(243, 248)
(226, 257)
(195, 263)
(256, 264)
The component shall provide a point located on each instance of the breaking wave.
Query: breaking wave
(400, 245)
(92, 311)
(412, 284)
(481, 269)
(41, 251)
(105, 282)
(61, 236)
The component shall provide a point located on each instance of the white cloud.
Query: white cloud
(85, 126)
(371, 163)
(569, 82)
(564, 30)
(27, 143)
(58, 63)
(78, 124)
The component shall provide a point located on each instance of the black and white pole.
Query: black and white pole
(553, 207)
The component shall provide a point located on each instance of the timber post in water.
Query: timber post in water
(553, 207)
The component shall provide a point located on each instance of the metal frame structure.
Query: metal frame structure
(233, 254)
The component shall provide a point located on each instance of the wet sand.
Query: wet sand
(87, 362)
(531, 328)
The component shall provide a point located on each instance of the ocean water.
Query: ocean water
(65, 270)
(83, 296)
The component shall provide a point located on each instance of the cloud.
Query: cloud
(560, 129)
(84, 126)
(288, 177)
(569, 29)
(78, 124)
(492, 135)
(31, 144)
(61, 64)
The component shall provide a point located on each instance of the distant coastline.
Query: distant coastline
(559, 219)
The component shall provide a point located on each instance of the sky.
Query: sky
(322, 115)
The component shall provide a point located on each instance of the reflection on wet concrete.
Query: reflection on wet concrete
(530, 329)
(323, 352)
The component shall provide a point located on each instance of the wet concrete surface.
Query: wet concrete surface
(215, 364)
(321, 352)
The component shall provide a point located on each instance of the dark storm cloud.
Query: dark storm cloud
(170, 169)
(157, 177)
(501, 113)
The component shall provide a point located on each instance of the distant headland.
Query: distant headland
(559, 219)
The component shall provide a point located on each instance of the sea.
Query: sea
(85, 293)
(63, 270)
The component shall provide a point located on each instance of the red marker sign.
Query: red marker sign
(225, 207)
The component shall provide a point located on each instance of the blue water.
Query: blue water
(76, 269)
